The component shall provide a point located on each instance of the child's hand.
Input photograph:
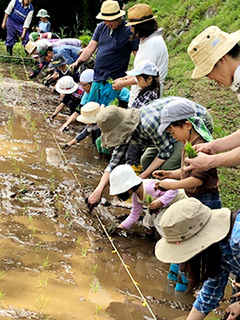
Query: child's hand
(233, 310)
(161, 174)
(156, 204)
(236, 295)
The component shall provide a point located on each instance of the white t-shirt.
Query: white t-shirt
(154, 49)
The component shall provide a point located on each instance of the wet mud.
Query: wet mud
(56, 262)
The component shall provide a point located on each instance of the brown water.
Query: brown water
(55, 260)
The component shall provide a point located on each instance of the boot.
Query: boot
(10, 50)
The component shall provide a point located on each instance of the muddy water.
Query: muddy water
(55, 260)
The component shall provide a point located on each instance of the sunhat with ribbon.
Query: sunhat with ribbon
(189, 227)
(209, 47)
(139, 13)
(89, 113)
(110, 10)
(66, 85)
(117, 124)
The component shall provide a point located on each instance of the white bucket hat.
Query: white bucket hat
(66, 85)
(189, 227)
(209, 47)
(87, 75)
(110, 10)
(144, 67)
(42, 13)
(89, 113)
(122, 179)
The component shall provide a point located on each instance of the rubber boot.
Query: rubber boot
(173, 272)
(10, 50)
(182, 282)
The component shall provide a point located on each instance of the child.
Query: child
(73, 93)
(17, 19)
(124, 182)
(44, 25)
(88, 116)
(183, 124)
(147, 77)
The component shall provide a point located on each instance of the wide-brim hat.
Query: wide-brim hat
(30, 47)
(189, 227)
(42, 13)
(117, 124)
(209, 47)
(139, 13)
(110, 10)
(89, 113)
(66, 91)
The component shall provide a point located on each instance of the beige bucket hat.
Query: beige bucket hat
(110, 10)
(190, 227)
(117, 124)
(89, 113)
(209, 47)
(30, 47)
(139, 13)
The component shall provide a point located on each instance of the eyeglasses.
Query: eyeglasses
(85, 84)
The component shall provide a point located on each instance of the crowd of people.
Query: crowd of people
(161, 150)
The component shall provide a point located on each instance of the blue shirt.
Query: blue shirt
(19, 13)
(114, 49)
(70, 53)
(213, 289)
(44, 26)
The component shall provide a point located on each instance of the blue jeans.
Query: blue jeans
(211, 200)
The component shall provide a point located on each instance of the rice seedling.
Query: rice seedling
(42, 283)
(149, 199)
(84, 251)
(94, 269)
(52, 182)
(30, 219)
(2, 294)
(94, 285)
(98, 308)
(66, 216)
(10, 124)
(42, 157)
(12, 73)
(110, 80)
(189, 150)
(38, 246)
(25, 210)
(33, 126)
(42, 302)
(114, 102)
(2, 274)
(46, 262)
(15, 166)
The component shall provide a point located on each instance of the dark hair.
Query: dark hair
(178, 123)
(126, 195)
(235, 51)
(206, 264)
(145, 29)
(155, 85)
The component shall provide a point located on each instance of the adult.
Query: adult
(17, 19)
(123, 128)
(151, 47)
(111, 40)
(216, 54)
(206, 242)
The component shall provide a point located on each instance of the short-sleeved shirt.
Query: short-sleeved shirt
(44, 26)
(209, 178)
(114, 49)
(73, 100)
(70, 53)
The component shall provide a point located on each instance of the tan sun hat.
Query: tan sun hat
(30, 47)
(189, 227)
(139, 13)
(209, 47)
(117, 124)
(89, 113)
(110, 10)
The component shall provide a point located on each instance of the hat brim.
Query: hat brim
(101, 16)
(69, 91)
(139, 21)
(215, 230)
(122, 131)
(204, 69)
(46, 16)
(86, 120)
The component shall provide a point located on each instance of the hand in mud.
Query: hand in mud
(51, 118)
(116, 230)
(64, 129)
(66, 147)
(91, 206)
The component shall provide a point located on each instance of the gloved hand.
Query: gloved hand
(51, 118)
(115, 230)
(65, 129)
(91, 206)
(66, 147)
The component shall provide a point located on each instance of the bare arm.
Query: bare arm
(226, 143)
(58, 109)
(95, 197)
(187, 183)
(153, 166)
(4, 20)
(86, 53)
(163, 174)
(205, 162)
(71, 119)
(120, 83)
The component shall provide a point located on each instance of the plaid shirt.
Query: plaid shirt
(146, 134)
(213, 289)
(144, 98)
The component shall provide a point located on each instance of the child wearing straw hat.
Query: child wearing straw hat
(206, 241)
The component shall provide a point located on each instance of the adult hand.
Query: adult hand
(204, 147)
(200, 163)
(161, 174)
(233, 310)
(118, 84)
(163, 185)
(95, 197)
(3, 25)
(237, 294)
(64, 128)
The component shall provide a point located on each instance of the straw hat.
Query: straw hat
(110, 10)
(209, 47)
(117, 124)
(89, 113)
(139, 13)
(30, 47)
(190, 227)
